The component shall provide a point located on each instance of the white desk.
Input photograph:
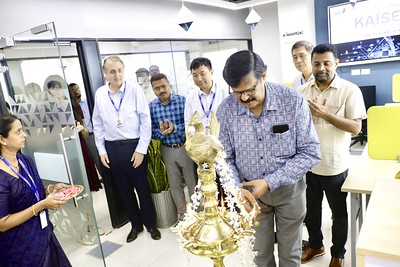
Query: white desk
(379, 239)
(360, 180)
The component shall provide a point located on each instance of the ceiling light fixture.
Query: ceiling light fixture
(185, 17)
(6, 42)
(253, 19)
(232, 5)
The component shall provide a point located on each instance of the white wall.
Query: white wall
(156, 19)
(270, 38)
(296, 22)
(121, 19)
(266, 40)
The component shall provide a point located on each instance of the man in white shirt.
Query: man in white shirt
(301, 55)
(207, 96)
(122, 129)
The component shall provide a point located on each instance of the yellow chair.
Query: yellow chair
(384, 132)
(396, 87)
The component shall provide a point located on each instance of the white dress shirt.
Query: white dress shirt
(299, 80)
(133, 112)
(193, 102)
(86, 115)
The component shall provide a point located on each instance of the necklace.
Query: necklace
(16, 166)
(11, 164)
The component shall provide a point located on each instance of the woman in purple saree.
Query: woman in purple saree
(26, 234)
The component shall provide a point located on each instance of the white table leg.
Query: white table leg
(356, 212)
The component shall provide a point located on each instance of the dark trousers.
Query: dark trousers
(129, 179)
(93, 150)
(331, 185)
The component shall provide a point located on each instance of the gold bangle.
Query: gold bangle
(48, 188)
(33, 210)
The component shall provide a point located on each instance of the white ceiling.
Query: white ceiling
(231, 4)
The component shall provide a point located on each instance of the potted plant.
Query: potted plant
(159, 187)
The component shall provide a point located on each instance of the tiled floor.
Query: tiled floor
(145, 252)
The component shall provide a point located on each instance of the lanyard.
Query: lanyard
(31, 184)
(120, 101)
(209, 109)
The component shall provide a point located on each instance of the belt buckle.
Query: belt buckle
(176, 145)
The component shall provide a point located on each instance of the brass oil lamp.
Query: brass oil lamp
(210, 233)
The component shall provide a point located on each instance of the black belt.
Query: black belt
(174, 145)
(123, 142)
(91, 133)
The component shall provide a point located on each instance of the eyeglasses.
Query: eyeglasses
(161, 87)
(248, 92)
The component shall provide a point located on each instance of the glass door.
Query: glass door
(37, 92)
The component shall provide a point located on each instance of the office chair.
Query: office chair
(369, 96)
(361, 136)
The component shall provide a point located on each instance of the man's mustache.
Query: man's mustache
(248, 100)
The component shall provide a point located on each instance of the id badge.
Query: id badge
(207, 129)
(43, 219)
(119, 122)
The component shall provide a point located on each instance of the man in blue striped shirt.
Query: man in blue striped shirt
(168, 125)
(270, 142)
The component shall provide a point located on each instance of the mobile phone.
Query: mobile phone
(281, 128)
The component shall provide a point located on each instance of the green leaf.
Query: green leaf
(156, 170)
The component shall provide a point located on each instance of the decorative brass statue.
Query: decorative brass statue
(210, 233)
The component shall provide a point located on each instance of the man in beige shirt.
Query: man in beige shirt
(338, 108)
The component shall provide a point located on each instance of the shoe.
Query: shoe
(336, 262)
(181, 217)
(304, 244)
(154, 233)
(100, 231)
(85, 242)
(133, 234)
(310, 253)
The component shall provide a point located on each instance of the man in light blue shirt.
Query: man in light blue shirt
(122, 129)
(270, 143)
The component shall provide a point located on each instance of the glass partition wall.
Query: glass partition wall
(35, 87)
(173, 58)
(52, 140)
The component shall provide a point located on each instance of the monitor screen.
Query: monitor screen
(369, 95)
(365, 32)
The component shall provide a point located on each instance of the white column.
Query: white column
(296, 22)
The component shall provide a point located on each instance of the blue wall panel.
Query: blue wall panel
(381, 73)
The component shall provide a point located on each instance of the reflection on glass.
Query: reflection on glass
(172, 58)
(143, 78)
(37, 92)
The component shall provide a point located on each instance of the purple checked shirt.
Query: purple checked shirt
(280, 146)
